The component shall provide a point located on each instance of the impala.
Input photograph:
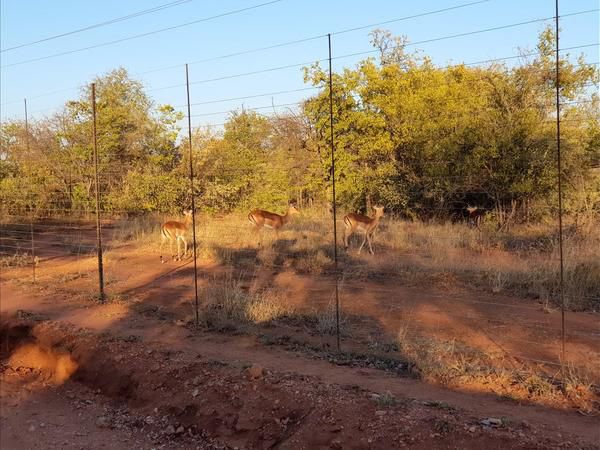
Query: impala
(175, 231)
(363, 224)
(260, 218)
(475, 215)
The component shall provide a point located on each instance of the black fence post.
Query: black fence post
(98, 225)
(187, 84)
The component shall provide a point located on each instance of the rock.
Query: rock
(195, 393)
(180, 429)
(336, 444)
(103, 422)
(472, 429)
(255, 371)
(31, 428)
(380, 413)
(149, 420)
(491, 422)
(170, 429)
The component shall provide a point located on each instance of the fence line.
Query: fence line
(337, 279)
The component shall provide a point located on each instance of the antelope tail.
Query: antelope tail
(252, 219)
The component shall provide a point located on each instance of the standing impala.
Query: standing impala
(175, 231)
(260, 218)
(363, 224)
(475, 215)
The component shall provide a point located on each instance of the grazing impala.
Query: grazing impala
(363, 224)
(260, 218)
(175, 231)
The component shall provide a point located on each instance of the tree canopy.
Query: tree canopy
(420, 139)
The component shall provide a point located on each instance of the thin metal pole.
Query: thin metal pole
(33, 212)
(98, 226)
(335, 252)
(559, 176)
(187, 84)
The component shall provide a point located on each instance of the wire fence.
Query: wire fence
(364, 303)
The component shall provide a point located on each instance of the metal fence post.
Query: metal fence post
(187, 84)
(98, 225)
(33, 261)
(334, 201)
(559, 176)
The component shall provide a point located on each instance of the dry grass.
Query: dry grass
(523, 261)
(229, 305)
(18, 259)
(453, 364)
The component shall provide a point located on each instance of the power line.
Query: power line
(355, 54)
(266, 94)
(149, 33)
(101, 24)
(217, 113)
(315, 37)
(304, 63)
(347, 30)
(471, 33)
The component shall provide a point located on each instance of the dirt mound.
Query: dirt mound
(55, 366)
(13, 333)
(57, 355)
(183, 401)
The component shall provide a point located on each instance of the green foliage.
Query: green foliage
(148, 192)
(422, 140)
(419, 138)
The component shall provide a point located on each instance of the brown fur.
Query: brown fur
(357, 222)
(175, 231)
(261, 218)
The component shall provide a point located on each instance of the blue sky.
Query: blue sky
(28, 20)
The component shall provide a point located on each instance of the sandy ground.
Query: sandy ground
(144, 379)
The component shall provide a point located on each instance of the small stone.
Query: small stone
(255, 371)
(336, 444)
(380, 413)
(149, 420)
(472, 429)
(491, 422)
(195, 393)
(42, 425)
(102, 422)
(31, 428)
(180, 429)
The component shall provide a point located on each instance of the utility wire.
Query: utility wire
(149, 33)
(99, 25)
(312, 38)
(244, 52)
